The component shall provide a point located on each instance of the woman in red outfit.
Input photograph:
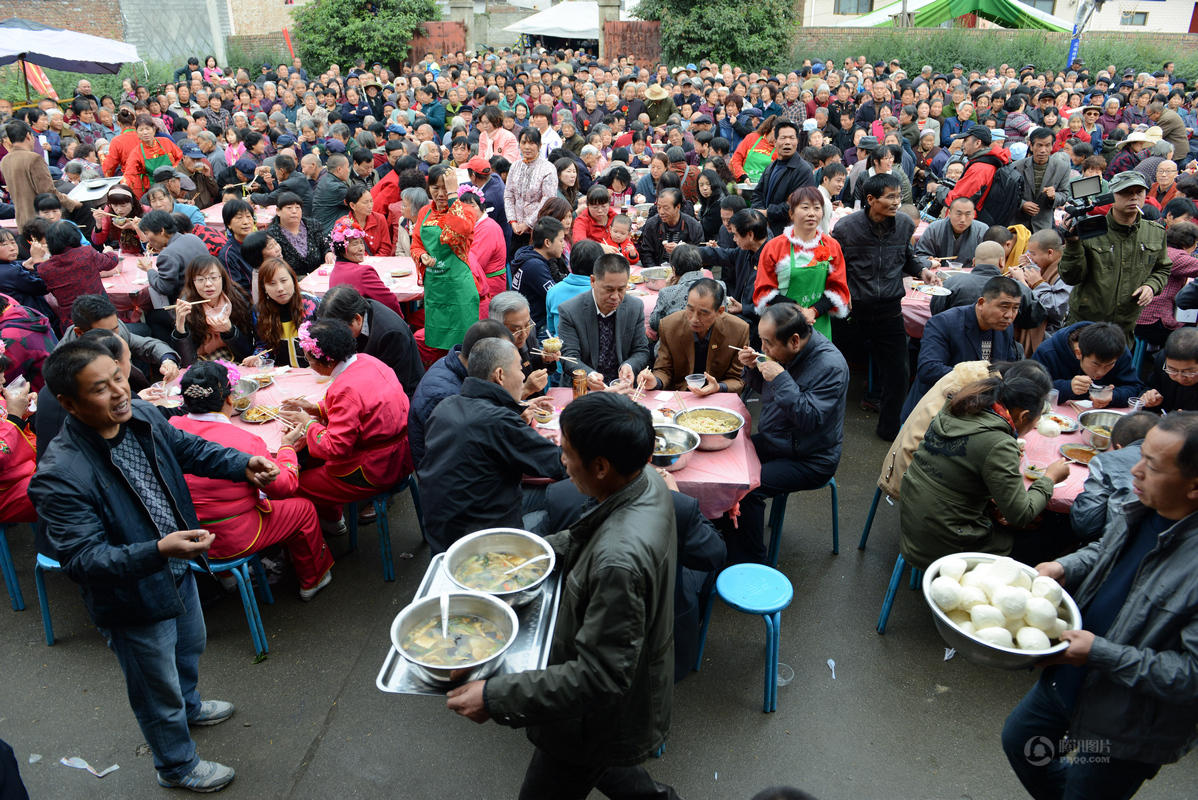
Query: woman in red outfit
(379, 240)
(18, 453)
(242, 521)
(359, 430)
(349, 247)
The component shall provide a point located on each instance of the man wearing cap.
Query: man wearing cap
(1114, 275)
(178, 184)
(659, 105)
(985, 158)
(198, 170)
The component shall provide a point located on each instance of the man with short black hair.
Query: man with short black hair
(953, 237)
(787, 172)
(1173, 384)
(328, 198)
(1108, 481)
(378, 331)
(1086, 354)
(738, 265)
(531, 274)
(91, 311)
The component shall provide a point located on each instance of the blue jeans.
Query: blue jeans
(161, 663)
(1031, 739)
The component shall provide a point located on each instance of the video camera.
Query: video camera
(1085, 194)
(933, 202)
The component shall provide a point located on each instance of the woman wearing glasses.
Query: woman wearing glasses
(212, 316)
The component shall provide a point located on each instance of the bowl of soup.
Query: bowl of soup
(481, 629)
(656, 278)
(1097, 425)
(672, 446)
(717, 427)
(490, 560)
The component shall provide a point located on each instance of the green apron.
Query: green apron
(450, 296)
(756, 162)
(154, 163)
(805, 283)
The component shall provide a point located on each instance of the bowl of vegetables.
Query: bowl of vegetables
(480, 629)
(1098, 424)
(998, 612)
(672, 446)
(490, 561)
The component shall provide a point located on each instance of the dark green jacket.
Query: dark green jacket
(606, 696)
(1105, 270)
(960, 465)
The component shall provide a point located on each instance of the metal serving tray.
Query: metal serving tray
(530, 650)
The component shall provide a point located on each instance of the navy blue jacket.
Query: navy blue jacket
(950, 337)
(1056, 354)
(443, 379)
(493, 193)
(531, 277)
(101, 531)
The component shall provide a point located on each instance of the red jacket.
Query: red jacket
(979, 174)
(378, 235)
(18, 454)
(775, 255)
(585, 227)
(366, 280)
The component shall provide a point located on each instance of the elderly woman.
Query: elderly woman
(280, 310)
(531, 181)
(379, 241)
(411, 200)
(242, 520)
(970, 458)
(239, 223)
(212, 315)
(349, 247)
(302, 244)
(159, 198)
(441, 242)
(148, 154)
(358, 431)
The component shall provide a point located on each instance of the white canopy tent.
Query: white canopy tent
(55, 48)
(575, 19)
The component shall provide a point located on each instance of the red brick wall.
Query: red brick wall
(97, 17)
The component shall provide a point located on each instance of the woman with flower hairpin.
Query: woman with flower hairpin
(349, 247)
(242, 520)
(359, 430)
(441, 245)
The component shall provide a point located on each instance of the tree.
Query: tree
(338, 31)
(748, 34)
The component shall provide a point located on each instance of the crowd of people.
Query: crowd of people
(787, 211)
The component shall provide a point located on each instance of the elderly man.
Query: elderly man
(667, 229)
(196, 168)
(478, 444)
(119, 518)
(1173, 128)
(511, 309)
(328, 199)
(1044, 180)
(954, 237)
(702, 339)
(603, 330)
(26, 174)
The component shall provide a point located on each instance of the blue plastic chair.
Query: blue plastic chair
(380, 510)
(10, 573)
(895, 577)
(778, 516)
(869, 520)
(754, 589)
(245, 587)
(41, 566)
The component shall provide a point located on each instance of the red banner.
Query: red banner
(38, 80)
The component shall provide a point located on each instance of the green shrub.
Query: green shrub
(12, 83)
(340, 31)
(745, 34)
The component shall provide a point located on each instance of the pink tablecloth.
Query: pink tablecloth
(1042, 451)
(10, 223)
(406, 289)
(129, 290)
(213, 219)
(717, 479)
(917, 310)
(291, 383)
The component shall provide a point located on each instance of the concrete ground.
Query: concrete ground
(898, 721)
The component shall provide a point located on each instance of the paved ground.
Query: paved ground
(897, 722)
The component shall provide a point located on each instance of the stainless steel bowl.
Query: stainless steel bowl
(474, 603)
(501, 540)
(685, 438)
(982, 652)
(1105, 417)
(242, 390)
(656, 278)
(713, 441)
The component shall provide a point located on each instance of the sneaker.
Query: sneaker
(212, 712)
(206, 776)
(334, 529)
(367, 515)
(308, 594)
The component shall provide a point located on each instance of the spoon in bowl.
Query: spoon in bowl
(444, 616)
(535, 559)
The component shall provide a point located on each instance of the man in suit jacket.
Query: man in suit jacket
(696, 340)
(981, 332)
(26, 174)
(787, 172)
(604, 329)
(1040, 196)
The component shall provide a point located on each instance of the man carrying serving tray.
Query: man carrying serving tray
(602, 705)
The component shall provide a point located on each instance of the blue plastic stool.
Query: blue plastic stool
(754, 589)
(380, 510)
(869, 520)
(240, 569)
(892, 589)
(778, 516)
(10, 573)
(42, 565)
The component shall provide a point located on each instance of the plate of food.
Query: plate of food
(1078, 453)
(1066, 423)
(264, 379)
(401, 272)
(259, 414)
(1033, 471)
(934, 291)
(636, 278)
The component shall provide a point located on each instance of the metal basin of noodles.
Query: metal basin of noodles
(712, 441)
(501, 540)
(472, 603)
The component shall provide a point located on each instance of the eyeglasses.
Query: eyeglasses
(1181, 373)
(206, 279)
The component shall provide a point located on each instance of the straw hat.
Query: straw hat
(656, 92)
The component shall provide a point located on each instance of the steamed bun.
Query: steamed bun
(987, 616)
(1046, 587)
(995, 635)
(1011, 601)
(1030, 638)
(946, 593)
(953, 568)
(1040, 613)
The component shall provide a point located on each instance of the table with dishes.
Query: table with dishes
(917, 303)
(129, 289)
(285, 383)
(397, 272)
(1041, 450)
(718, 479)
(213, 216)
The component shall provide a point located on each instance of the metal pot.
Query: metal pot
(982, 652)
(242, 393)
(501, 540)
(1104, 417)
(474, 603)
(685, 438)
(713, 441)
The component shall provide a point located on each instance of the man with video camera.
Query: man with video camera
(1117, 272)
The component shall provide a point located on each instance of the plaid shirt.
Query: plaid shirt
(796, 112)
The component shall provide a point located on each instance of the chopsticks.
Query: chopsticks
(542, 353)
(267, 412)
